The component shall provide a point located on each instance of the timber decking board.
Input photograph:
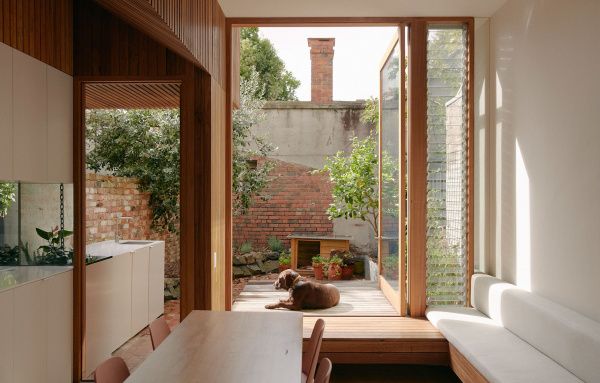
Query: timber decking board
(358, 298)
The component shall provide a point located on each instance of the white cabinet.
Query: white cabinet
(139, 290)
(6, 120)
(7, 336)
(36, 120)
(30, 333)
(121, 298)
(60, 126)
(156, 281)
(59, 319)
(30, 119)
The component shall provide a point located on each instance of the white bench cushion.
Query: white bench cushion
(564, 335)
(499, 355)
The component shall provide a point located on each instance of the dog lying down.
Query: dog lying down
(304, 294)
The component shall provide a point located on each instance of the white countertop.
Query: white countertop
(111, 248)
(15, 276)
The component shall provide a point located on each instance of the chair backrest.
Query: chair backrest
(159, 331)
(311, 356)
(113, 370)
(324, 371)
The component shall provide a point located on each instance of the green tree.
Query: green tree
(143, 144)
(8, 191)
(354, 178)
(258, 55)
(249, 180)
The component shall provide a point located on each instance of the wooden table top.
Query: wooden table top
(223, 347)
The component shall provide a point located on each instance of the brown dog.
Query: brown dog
(304, 294)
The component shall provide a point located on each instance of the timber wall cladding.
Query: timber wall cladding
(42, 29)
(195, 29)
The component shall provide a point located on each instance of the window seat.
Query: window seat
(512, 335)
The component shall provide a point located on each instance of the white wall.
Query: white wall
(545, 59)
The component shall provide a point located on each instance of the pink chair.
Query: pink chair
(113, 370)
(311, 356)
(324, 371)
(159, 331)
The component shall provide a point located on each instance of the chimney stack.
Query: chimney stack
(321, 57)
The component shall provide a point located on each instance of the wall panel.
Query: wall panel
(42, 29)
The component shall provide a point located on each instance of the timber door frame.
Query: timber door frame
(417, 125)
(79, 195)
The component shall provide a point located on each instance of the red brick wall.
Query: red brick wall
(108, 197)
(294, 201)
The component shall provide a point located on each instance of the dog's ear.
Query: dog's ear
(283, 278)
(290, 277)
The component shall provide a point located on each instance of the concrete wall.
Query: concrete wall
(306, 133)
(546, 166)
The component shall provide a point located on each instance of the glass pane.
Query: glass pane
(390, 129)
(446, 165)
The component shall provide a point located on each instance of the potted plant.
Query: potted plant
(54, 253)
(284, 261)
(347, 265)
(318, 263)
(335, 268)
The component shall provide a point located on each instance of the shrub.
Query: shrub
(335, 260)
(245, 248)
(275, 244)
(284, 258)
(318, 260)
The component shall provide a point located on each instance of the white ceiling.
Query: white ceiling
(359, 8)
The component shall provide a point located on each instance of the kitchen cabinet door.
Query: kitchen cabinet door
(6, 113)
(59, 313)
(60, 126)
(7, 336)
(156, 281)
(139, 289)
(30, 119)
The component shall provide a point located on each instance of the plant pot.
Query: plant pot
(284, 267)
(347, 272)
(335, 272)
(318, 270)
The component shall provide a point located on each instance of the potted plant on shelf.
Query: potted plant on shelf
(318, 264)
(284, 261)
(335, 268)
(347, 265)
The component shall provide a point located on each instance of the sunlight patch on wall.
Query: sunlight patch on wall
(523, 222)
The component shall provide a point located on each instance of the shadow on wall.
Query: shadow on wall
(547, 168)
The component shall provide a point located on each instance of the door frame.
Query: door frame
(417, 93)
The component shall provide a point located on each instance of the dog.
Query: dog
(304, 294)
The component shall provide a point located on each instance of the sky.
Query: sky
(358, 54)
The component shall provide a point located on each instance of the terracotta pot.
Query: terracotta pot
(284, 267)
(335, 272)
(318, 269)
(347, 272)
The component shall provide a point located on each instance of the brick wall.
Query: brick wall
(293, 202)
(109, 197)
(321, 58)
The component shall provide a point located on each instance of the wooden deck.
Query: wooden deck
(357, 298)
(363, 329)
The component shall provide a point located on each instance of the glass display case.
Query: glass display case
(36, 223)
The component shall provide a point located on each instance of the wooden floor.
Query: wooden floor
(363, 329)
(357, 298)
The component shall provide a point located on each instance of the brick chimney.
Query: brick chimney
(321, 57)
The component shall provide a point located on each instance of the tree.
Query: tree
(8, 191)
(248, 180)
(258, 55)
(143, 144)
(354, 177)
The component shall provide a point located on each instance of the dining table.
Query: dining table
(228, 347)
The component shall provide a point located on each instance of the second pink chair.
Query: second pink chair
(324, 371)
(159, 331)
(311, 356)
(112, 370)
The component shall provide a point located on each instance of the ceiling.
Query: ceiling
(359, 8)
(115, 95)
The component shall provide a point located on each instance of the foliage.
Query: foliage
(335, 260)
(258, 55)
(245, 248)
(248, 181)
(275, 244)
(370, 114)
(143, 144)
(354, 177)
(318, 260)
(7, 196)
(285, 258)
(9, 255)
(54, 252)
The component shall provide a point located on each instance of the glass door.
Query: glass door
(392, 170)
